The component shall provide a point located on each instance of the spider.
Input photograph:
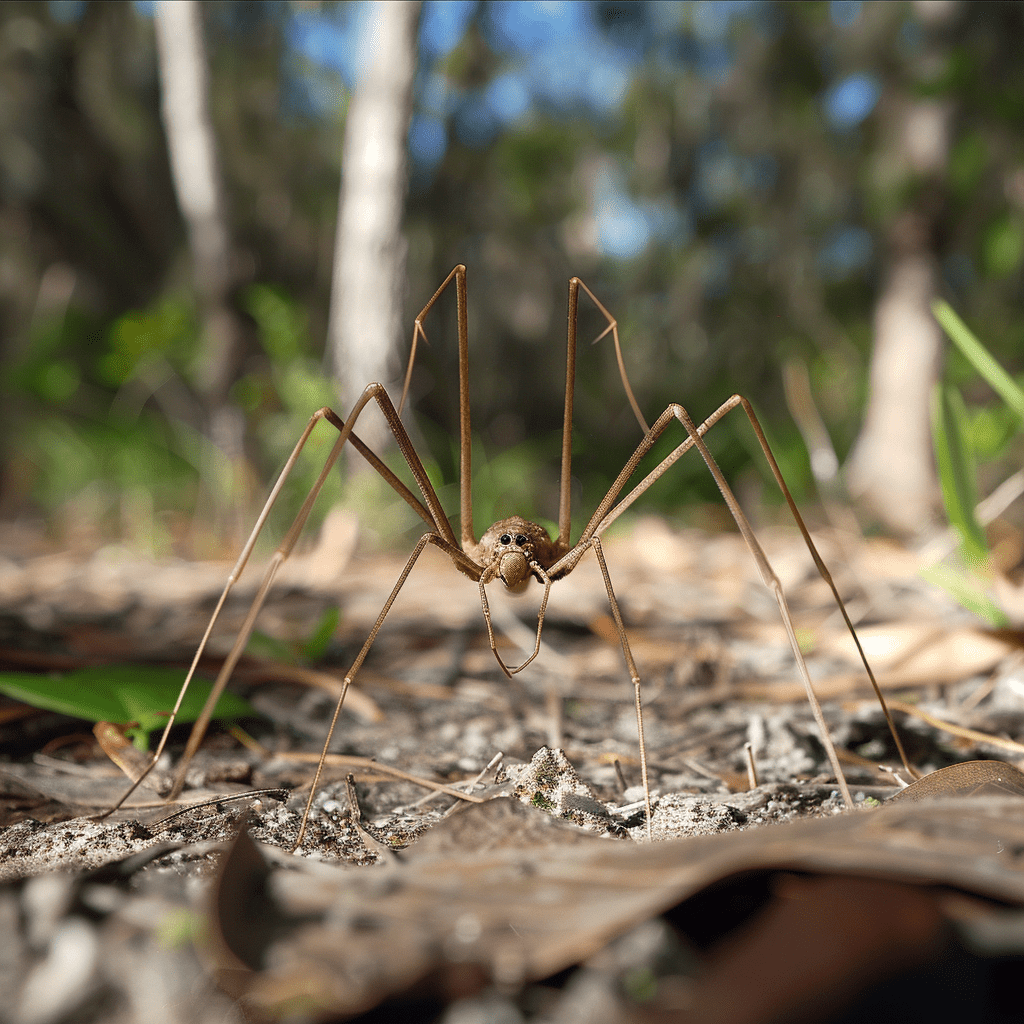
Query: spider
(513, 550)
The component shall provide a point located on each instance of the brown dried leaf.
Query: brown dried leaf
(524, 912)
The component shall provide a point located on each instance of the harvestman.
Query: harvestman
(513, 550)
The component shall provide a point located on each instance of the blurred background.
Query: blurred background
(216, 217)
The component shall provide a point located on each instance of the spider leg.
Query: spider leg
(458, 275)
(610, 509)
(429, 509)
(612, 506)
(565, 479)
(428, 538)
(486, 578)
(633, 674)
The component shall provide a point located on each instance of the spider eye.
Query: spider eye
(505, 539)
(520, 539)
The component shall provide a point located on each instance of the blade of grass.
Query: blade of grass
(320, 639)
(979, 356)
(966, 589)
(956, 472)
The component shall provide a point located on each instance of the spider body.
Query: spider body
(515, 551)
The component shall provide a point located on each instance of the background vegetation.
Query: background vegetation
(729, 178)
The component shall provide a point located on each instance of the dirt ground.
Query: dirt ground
(142, 915)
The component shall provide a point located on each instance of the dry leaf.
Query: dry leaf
(345, 940)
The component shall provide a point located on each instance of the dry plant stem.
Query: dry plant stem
(370, 765)
(356, 817)
(959, 730)
(748, 751)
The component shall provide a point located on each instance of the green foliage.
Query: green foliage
(310, 650)
(319, 640)
(142, 342)
(959, 438)
(957, 471)
(721, 149)
(980, 358)
(967, 587)
(1003, 246)
(136, 695)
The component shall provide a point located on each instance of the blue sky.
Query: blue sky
(557, 60)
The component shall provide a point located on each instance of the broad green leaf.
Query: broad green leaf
(980, 357)
(956, 471)
(143, 694)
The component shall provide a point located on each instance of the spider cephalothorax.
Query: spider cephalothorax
(514, 549)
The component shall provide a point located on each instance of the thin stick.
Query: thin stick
(370, 765)
(748, 751)
(254, 794)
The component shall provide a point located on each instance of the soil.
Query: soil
(114, 933)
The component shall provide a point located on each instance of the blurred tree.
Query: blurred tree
(192, 148)
(365, 325)
(892, 467)
(723, 175)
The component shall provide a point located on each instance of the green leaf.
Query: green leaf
(316, 646)
(950, 422)
(143, 694)
(967, 589)
(269, 648)
(981, 359)
(1003, 247)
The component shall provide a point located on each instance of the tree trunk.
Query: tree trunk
(365, 324)
(892, 467)
(193, 154)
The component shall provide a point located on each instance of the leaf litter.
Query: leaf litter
(569, 869)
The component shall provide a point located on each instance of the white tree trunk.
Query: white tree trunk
(892, 468)
(192, 149)
(365, 324)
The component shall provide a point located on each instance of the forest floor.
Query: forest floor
(551, 756)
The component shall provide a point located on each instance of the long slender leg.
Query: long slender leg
(431, 512)
(427, 538)
(633, 674)
(610, 508)
(565, 480)
(458, 274)
(486, 578)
